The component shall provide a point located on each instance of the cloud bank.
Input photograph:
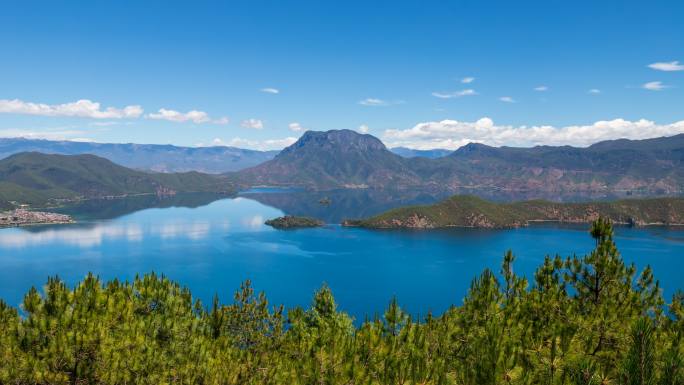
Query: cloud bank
(83, 108)
(452, 134)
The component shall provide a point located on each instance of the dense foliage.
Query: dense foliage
(581, 320)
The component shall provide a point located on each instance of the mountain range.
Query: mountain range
(167, 158)
(347, 159)
(154, 157)
(38, 179)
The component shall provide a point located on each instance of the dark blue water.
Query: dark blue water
(212, 247)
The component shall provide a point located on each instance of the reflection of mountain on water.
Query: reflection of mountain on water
(335, 205)
(341, 204)
(113, 208)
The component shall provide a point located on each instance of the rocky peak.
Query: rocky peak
(335, 140)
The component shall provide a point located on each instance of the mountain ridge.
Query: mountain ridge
(344, 158)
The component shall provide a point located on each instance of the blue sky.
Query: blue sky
(398, 70)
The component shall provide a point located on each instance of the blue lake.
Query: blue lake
(211, 246)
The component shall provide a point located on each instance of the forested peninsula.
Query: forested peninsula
(471, 211)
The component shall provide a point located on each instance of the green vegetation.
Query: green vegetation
(579, 321)
(292, 222)
(37, 179)
(470, 211)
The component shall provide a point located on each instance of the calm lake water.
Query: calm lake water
(212, 245)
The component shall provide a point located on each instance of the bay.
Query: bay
(211, 244)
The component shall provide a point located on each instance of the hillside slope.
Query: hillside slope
(36, 178)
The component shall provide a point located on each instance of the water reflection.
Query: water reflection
(336, 205)
(76, 235)
(114, 208)
(143, 224)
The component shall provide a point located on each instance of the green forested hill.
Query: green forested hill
(588, 320)
(37, 178)
(471, 211)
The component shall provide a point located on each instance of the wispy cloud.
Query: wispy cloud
(541, 88)
(453, 134)
(262, 145)
(454, 94)
(83, 108)
(252, 123)
(269, 90)
(507, 99)
(667, 66)
(594, 91)
(296, 127)
(654, 86)
(194, 116)
(374, 102)
(51, 133)
(363, 129)
(467, 80)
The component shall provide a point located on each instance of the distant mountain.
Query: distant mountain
(154, 157)
(413, 153)
(338, 159)
(36, 178)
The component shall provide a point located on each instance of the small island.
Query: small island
(293, 222)
(22, 217)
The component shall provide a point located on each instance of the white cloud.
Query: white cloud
(541, 88)
(363, 129)
(373, 102)
(467, 80)
(222, 120)
(452, 134)
(594, 91)
(296, 127)
(455, 94)
(654, 86)
(269, 90)
(252, 123)
(83, 108)
(507, 99)
(667, 66)
(262, 145)
(197, 117)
